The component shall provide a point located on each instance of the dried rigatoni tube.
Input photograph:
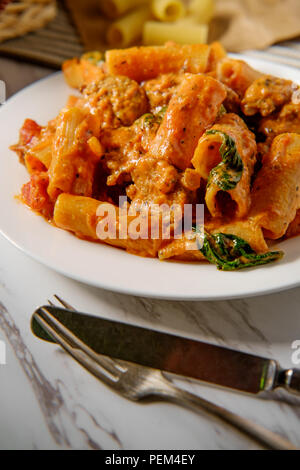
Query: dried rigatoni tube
(158, 33)
(202, 10)
(168, 10)
(129, 28)
(115, 8)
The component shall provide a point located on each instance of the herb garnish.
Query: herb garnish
(228, 173)
(149, 119)
(229, 252)
(95, 57)
(222, 111)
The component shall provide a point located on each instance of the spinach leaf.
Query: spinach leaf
(95, 57)
(222, 111)
(149, 120)
(229, 252)
(228, 173)
(161, 113)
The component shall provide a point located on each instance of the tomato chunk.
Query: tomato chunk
(34, 194)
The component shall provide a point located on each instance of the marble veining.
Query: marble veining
(50, 398)
(69, 408)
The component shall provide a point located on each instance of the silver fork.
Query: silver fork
(136, 382)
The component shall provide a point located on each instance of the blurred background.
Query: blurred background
(47, 32)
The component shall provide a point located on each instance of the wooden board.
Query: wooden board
(49, 46)
(59, 41)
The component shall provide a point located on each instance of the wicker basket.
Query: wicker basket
(21, 17)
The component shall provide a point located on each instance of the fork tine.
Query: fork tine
(140, 382)
(80, 356)
(113, 362)
(63, 303)
(72, 339)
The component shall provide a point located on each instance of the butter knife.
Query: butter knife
(175, 354)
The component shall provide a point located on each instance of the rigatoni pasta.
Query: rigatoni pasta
(82, 216)
(236, 74)
(41, 152)
(276, 190)
(202, 10)
(72, 166)
(144, 63)
(183, 21)
(225, 158)
(182, 32)
(115, 8)
(167, 10)
(158, 156)
(191, 110)
(129, 28)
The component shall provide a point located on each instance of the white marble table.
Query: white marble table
(47, 401)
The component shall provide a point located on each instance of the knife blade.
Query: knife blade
(175, 354)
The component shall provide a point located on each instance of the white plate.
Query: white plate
(108, 267)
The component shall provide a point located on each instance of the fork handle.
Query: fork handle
(267, 438)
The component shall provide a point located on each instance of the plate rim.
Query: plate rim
(130, 290)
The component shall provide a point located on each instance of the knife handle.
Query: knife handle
(290, 380)
(168, 391)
